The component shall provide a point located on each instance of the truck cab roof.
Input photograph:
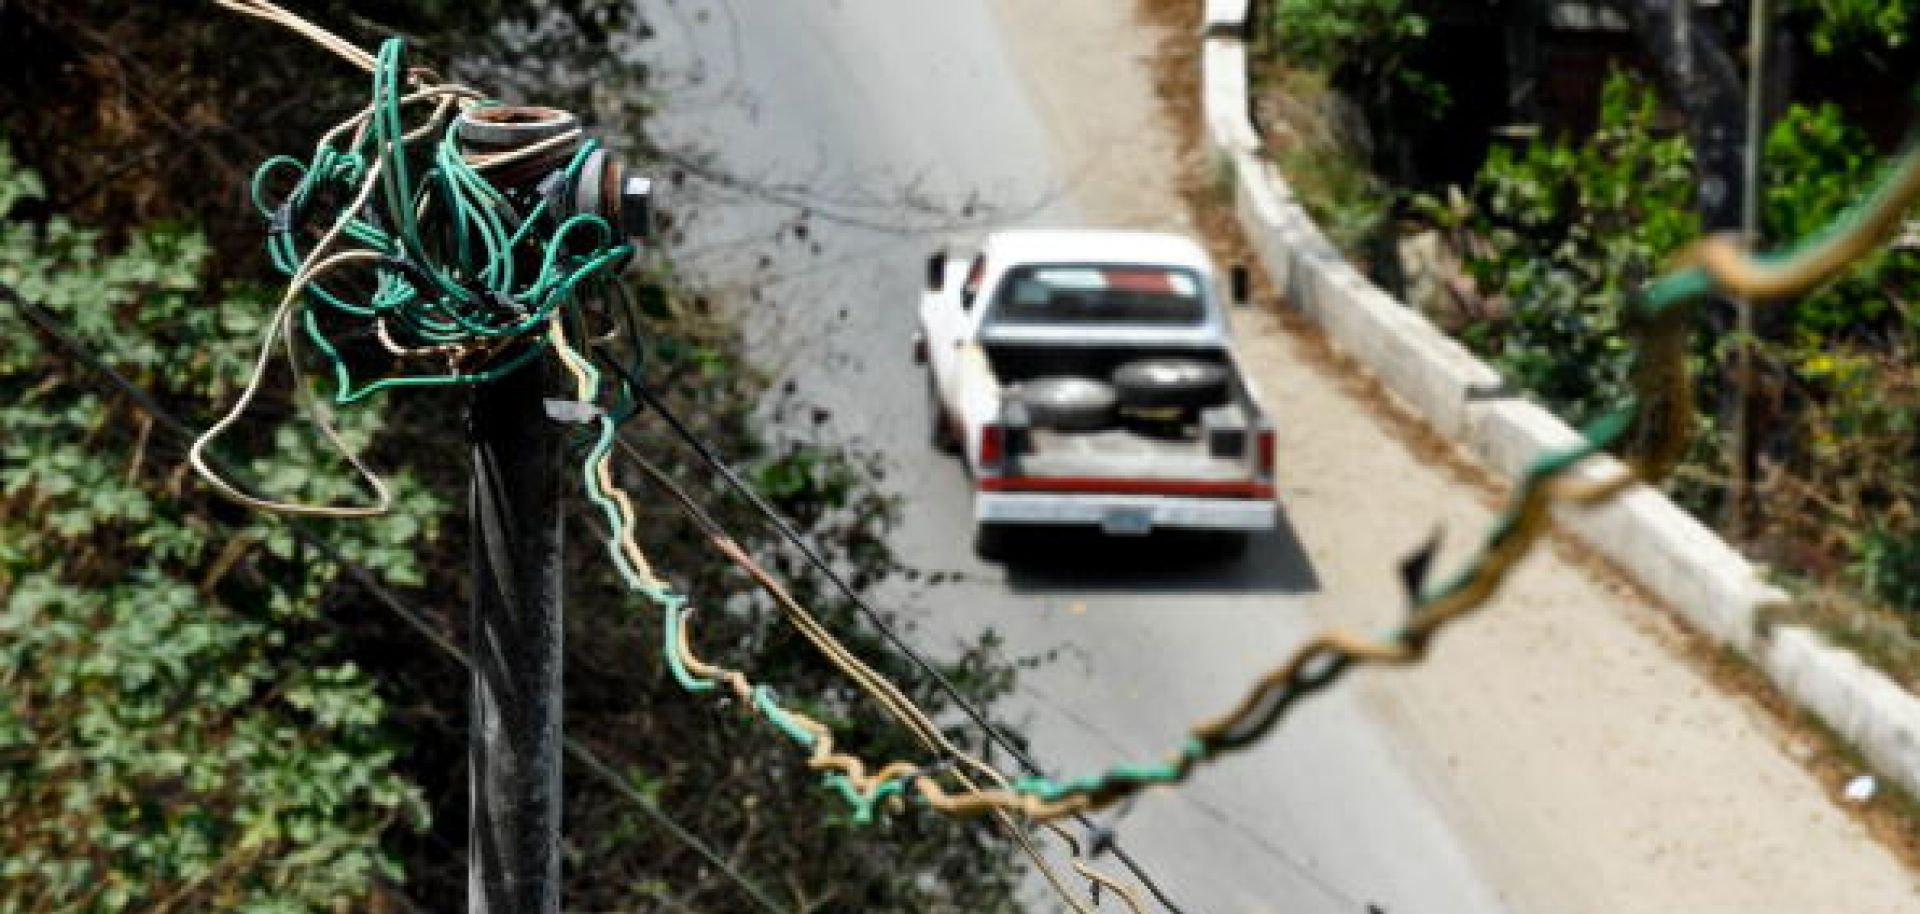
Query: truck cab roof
(1009, 256)
(1096, 246)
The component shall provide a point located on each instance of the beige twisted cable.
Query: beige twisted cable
(903, 709)
(317, 263)
(878, 687)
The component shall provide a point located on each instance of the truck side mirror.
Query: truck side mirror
(971, 288)
(1240, 284)
(936, 271)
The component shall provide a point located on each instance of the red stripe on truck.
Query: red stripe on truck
(1149, 281)
(1109, 486)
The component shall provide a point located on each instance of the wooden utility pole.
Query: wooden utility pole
(1701, 80)
(518, 447)
(515, 733)
(514, 738)
(1740, 513)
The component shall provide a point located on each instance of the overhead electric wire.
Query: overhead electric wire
(793, 537)
(471, 309)
(1548, 480)
(1723, 262)
(756, 698)
(434, 303)
(281, 323)
(262, 9)
(918, 722)
(457, 306)
(53, 328)
(850, 777)
(446, 317)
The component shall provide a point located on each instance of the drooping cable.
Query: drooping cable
(712, 460)
(456, 299)
(436, 315)
(862, 790)
(455, 308)
(863, 793)
(52, 328)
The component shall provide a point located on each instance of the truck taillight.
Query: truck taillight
(1263, 457)
(993, 445)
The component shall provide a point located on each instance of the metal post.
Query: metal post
(514, 742)
(1739, 513)
(1523, 25)
(1756, 117)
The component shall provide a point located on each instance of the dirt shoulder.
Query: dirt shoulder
(1589, 750)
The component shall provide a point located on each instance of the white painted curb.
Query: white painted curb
(1661, 546)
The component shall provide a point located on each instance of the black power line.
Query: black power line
(1103, 837)
(51, 326)
(75, 347)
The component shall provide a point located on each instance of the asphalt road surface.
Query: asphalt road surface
(832, 146)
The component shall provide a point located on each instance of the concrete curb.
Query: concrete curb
(1661, 546)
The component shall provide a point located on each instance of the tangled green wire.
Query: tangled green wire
(450, 279)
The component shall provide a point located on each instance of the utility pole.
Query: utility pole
(1522, 22)
(514, 736)
(514, 742)
(1740, 509)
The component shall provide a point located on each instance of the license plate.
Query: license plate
(1127, 522)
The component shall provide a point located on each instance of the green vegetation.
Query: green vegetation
(1322, 151)
(1367, 45)
(197, 712)
(1562, 231)
(1566, 230)
(1816, 166)
(178, 725)
(1347, 201)
(1841, 24)
(1851, 347)
(1555, 231)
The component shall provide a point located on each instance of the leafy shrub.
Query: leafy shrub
(1344, 197)
(1560, 232)
(1366, 44)
(1857, 427)
(1874, 24)
(173, 729)
(1816, 166)
(1563, 230)
(1850, 486)
(1888, 569)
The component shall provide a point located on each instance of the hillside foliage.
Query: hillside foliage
(178, 727)
(201, 711)
(1556, 230)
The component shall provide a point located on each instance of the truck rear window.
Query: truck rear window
(1069, 294)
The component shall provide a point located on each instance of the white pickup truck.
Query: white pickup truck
(1086, 378)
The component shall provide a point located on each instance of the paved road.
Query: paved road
(894, 125)
(1557, 748)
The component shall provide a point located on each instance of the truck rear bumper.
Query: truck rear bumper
(1124, 514)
